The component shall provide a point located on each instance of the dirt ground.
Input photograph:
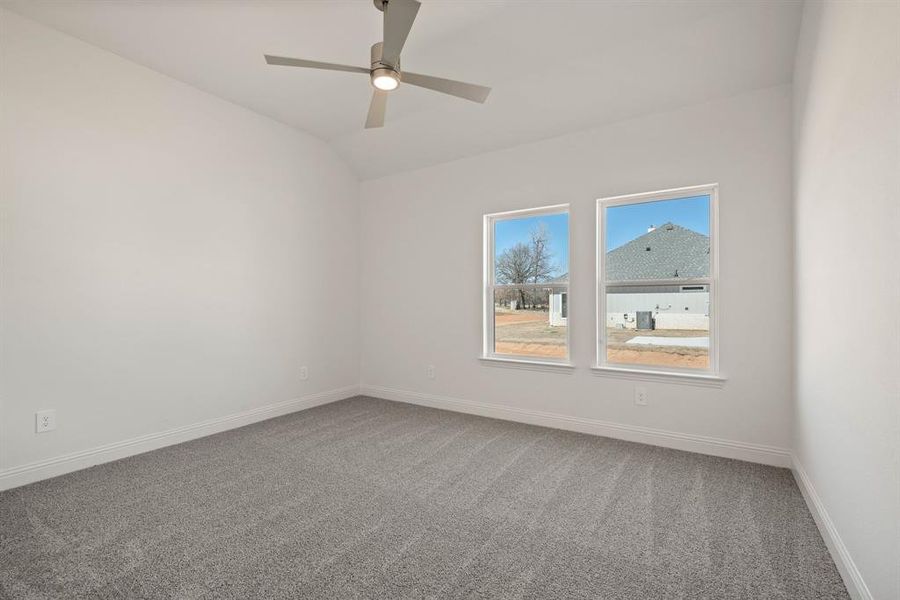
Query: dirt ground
(661, 356)
(520, 316)
(528, 333)
(656, 358)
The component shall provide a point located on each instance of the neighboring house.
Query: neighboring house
(559, 304)
(665, 252)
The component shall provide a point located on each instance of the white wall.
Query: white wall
(847, 215)
(422, 267)
(167, 257)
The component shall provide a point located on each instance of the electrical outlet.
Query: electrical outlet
(304, 373)
(640, 395)
(429, 371)
(44, 421)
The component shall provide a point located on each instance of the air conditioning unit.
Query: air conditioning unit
(645, 319)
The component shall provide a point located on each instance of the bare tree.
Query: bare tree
(527, 264)
(541, 266)
(514, 267)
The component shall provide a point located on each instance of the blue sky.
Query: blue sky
(624, 223)
(509, 232)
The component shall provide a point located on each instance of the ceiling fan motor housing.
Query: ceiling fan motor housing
(377, 56)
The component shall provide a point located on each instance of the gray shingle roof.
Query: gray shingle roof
(666, 252)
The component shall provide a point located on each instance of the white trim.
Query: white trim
(650, 282)
(489, 284)
(697, 379)
(544, 286)
(523, 363)
(756, 453)
(853, 580)
(67, 463)
(683, 192)
(600, 362)
(530, 212)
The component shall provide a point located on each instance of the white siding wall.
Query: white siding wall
(687, 310)
(670, 303)
(556, 317)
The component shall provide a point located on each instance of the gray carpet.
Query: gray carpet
(373, 499)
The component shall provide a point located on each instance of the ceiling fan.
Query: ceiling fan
(384, 71)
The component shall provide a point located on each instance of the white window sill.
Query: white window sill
(697, 379)
(532, 365)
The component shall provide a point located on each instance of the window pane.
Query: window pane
(658, 240)
(529, 322)
(532, 249)
(665, 326)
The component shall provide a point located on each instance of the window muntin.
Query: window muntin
(656, 283)
(526, 285)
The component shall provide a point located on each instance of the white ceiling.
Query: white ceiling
(556, 66)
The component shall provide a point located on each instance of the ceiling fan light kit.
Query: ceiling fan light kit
(384, 70)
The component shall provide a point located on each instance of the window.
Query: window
(526, 306)
(657, 281)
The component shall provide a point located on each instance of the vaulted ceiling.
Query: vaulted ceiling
(556, 66)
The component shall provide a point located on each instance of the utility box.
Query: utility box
(644, 319)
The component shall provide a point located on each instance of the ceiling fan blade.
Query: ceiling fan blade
(469, 91)
(398, 20)
(376, 110)
(312, 64)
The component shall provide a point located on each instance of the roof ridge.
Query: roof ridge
(660, 228)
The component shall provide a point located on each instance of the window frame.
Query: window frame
(489, 285)
(600, 350)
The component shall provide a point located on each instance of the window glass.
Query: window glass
(656, 291)
(527, 323)
(532, 249)
(528, 301)
(657, 325)
(665, 239)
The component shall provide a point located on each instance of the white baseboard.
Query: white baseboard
(757, 453)
(17, 476)
(856, 586)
